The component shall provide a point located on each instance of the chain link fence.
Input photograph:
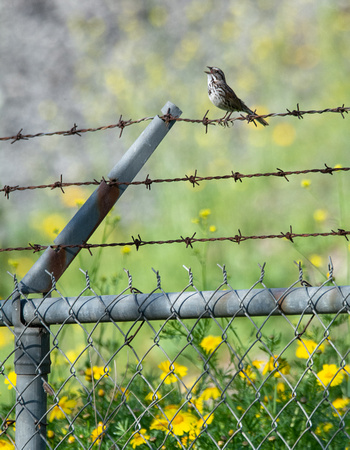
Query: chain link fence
(257, 368)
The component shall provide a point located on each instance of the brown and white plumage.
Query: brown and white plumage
(223, 97)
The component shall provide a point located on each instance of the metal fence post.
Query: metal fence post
(32, 365)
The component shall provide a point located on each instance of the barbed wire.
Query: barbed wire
(188, 241)
(193, 179)
(168, 118)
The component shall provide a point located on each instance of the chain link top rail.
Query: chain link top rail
(168, 117)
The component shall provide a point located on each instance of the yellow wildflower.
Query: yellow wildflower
(320, 215)
(305, 183)
(210, 343)
(64, 406)
(210, 392)
(11, 379)
(125, 250)
(170, 370)
(306, 347)
(340, 404)
(279, 364)
(98, 432)
(179, 422)
(212, 228)
(97, 372)
(71, 440)
(5, 445)
(204, 213)
(330, 375)
(139, 438)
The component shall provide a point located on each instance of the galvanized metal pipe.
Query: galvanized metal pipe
(91, 214)
(188, 305)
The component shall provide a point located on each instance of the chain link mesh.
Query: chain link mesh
(275, 381)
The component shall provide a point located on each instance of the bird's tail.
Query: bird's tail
(258, 119)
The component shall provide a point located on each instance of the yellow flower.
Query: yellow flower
(320, 215)
(11, 379)
(174, 368)
(212, 228)
(179, 422)
(74, 196)
(279, 364)
(200, 424)
(283, 134)
(64, 406)
(52, 225)
(50, 434)
(71, 439)
(97, 372)
(323, 428)
(338, 166)
(125, 250)
(98, 432)
(306, 347)
(5, 445)
(138, 439)
(340, 404)
(210, 343)
(210, 392)
(316, 260)
(330, 375)
(204, 213)
(151, 396)
(305, 183)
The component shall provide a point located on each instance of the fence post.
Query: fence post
(32, 365)
(32, 344)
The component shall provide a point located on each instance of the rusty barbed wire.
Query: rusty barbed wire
(205, 121)
(188, 241)
(193, 179)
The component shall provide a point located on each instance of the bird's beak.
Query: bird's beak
(207, 71)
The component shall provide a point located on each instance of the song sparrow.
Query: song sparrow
(223, 97)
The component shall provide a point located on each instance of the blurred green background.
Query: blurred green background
(89, 62)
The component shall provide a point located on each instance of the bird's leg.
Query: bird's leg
(226, 119)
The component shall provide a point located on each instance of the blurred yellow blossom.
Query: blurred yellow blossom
(306, 348)
(6, 337)
(279, 364)
(212, 228)
(52, 225)
(330, 375)
(50, 434)
(97, 372)
(169, 370)
(340, 404)
(21, 265)
(11, 379)
(283, 134)
(125, 250)
(210, 343)
(316, 260)
(305, 183)
(5, 445)
(204, 213)
(320, 215)
(71, 440)
(139, 438)
(64, 406)
(74, 196)
(323, 428)
(210, 392)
